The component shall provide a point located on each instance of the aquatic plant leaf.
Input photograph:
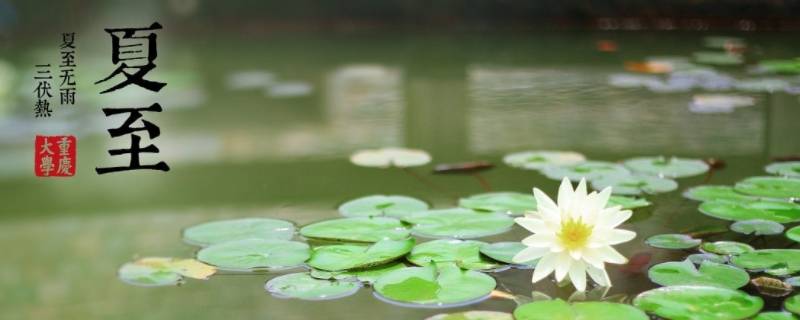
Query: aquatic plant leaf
(214, 232)
(757, 227)
(762, 85)
(382, 205)
(342, 257)
(778, 262)
(255, 254)
(709, 274)
(698, 303)
(512, 203)
(440, 285)
(635, 184)
(458, 223)
(504, 252)
(720, 58)
(672, 241)
(473, 315)
(560, 310)
(360, 229)
(464, 253)
(792, 304)
(775, 315)
(771, 187)
(587, 169)
(368, 275)
(390, 157)
(712, 192)
(786, 169)
(777, 211)
(793, 234)
(726, 248)
(627, 203)
(158, 271)
(535, 160)
(303, 286)
(671, 167)
(698, 258)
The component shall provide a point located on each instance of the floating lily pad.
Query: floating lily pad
(793, 234)
(442, 285)
(255, 254)
(587, 169)
(672, 241)
(361, 229)
(698, 303)
(351, 256)
(771, 187)
(368, 275)
(667, 167)
(726, 248)
(155, 271)
(720, 58)
(775, 315)
(464, 253)
(757, 227)
(381, 205)
(458, 223)
(505, 252)
(698, 258)
(792, 304)
(777, 211)
(762, 85)
(303, 286)
(786, 169)
(535, 160)
(709, 274)
(627, 203)
(561, 310)
(513, 203)
(239, 229)
(778, 262)
(390, 157)
(473, 315)
(635, 184)
(710, 192)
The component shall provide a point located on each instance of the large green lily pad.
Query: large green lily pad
(158, 271)
(793, 234)
(513, 203)
(360, 229)
(777, 211)
(458, 223)
(473, 315)
(381, 205)
(587, 169)
(786, 169)
(238, 229)
(535, 160)
(709, 274)
(672, 241)
(627, 203)
(672, 167)
(352, 256)
(440, 285)
(779, 262)
(303, 286)
(712, 192)
(775, 315)
(561, 310)
(464, 253)
(698, 258)
(505, 252)
(757, 227)
(792, 304)
(368, 275)
(726, 248)
(635, 184)
(698, 303)
(771, 187)
(255, 254)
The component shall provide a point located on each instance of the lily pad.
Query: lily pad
(698, 258)
(726, 248)
(513, 203)
(762, 85)
(698, 303)
(771, 187)
(464, 253)
(792, 304)
(672, 167)
(786, 169)
(255, 254)
(505, 252)
(458, 223)
(238, 229)
(388, 157)
(672, 241)
(775, 315)
(351, 256)
(635, 184)
(561, 310)
(777, 211)
(368, 275)
(587, 169)
(535, 160)
(627, 203)
(303, 286)
(440, 285)
(720, 58)
(758, 227)
(711, 192)
(778, 262)
(793, 234)
(361, 229)
(381, 205)
(709, 274)
(473, 315)
(156, 271)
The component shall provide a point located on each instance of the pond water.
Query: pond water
(240, 152)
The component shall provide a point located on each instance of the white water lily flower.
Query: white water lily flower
(574, 237)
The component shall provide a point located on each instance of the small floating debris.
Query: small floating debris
(771, 287)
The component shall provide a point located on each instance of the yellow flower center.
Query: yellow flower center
(574, 234)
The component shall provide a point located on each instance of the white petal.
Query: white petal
(533, 225)
(577, 274)
(608, 254)
(576, 254)
(563, 262)
(603, 196)
(545, 206)
(593, 258)
(612, 218)
(544, 267)
(529, 254)
(599, 275)
(565, 194)
(539, 240)
(617, 236)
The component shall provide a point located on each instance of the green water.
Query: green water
(240, 153)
